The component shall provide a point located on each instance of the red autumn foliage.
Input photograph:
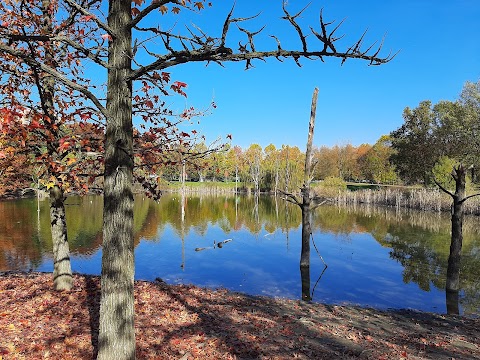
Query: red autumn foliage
(187, 322)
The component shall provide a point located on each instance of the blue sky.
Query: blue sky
(439, 51)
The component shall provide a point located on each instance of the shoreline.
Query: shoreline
(188, 322)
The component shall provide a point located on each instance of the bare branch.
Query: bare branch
(208, 49)
(442, 188)
(290, 197)
(468, 197)
(291, 19)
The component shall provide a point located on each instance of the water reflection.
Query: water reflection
(376, 256)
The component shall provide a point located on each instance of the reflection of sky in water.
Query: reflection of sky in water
(359, 269)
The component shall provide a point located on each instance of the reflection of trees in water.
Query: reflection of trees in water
(20, 245)
(419, 241)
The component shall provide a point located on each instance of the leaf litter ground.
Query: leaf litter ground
(187, 322)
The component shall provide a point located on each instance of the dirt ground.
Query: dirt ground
(188, 322)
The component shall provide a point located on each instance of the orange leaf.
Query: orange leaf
(199, 5)
(138, 2)
(176, 10)
(163, 9)
(135, 11)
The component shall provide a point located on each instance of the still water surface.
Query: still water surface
(376, 257)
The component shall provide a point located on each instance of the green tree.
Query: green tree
(414, 144)
(376, 162)
(271, 168)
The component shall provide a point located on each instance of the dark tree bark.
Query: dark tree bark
(452, 285)
(305, 276)
(452, 301)
(116, 332)
(453, 269)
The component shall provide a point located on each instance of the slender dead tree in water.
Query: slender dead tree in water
(307, 203)
(453, 270)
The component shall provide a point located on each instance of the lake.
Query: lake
(376, 256)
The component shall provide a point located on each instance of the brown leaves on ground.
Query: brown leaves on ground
(187, 322)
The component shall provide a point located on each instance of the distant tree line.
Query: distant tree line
(432, 139)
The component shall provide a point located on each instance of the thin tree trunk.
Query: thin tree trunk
(62, 270)
(116, 331)
(307, 178)
(305, 276)
(306, 231)
(453, 269)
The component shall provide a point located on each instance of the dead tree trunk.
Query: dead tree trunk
(307, 204)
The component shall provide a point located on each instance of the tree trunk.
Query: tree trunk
(452, 303)
(307, 178)
(306, 232)
(116, 332)
(305, 276)
(62, 270)
(453, 269)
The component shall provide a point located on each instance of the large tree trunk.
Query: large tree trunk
(453, 269)
(116, 333)
(62, 270)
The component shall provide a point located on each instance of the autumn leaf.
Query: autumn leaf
(138, 2)
(107, 37)
(199, 5)
(175, 10)
(163, 9)
(71, 161)
(86, 18)
(135, 11)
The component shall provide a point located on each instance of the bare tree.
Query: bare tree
(307, 203)
(107, 40)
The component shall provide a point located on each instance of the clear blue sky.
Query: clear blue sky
(439, 51)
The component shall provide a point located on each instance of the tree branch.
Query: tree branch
(92, 16)
(153, 6)
(58, 76)
(442, 188)
(87, 52)
(468, 197)
(206, 49)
